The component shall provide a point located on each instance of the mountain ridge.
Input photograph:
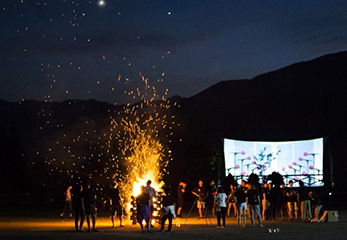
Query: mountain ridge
(294, 97)
(302, 101)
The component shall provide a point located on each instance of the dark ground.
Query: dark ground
(45, 227)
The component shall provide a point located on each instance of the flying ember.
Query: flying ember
(142, 133)
(142, 159)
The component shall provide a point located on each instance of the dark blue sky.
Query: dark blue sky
(65, 49)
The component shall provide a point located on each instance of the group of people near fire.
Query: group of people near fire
(238, 201)
(260, 200)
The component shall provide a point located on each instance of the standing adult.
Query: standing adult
(77, 201)
(221, 200)
(210, 203)
(292, 201)
(115, 204)
(68, 203)
(180, 199)
(201, 194)
(240, 198)
(254, 201)
(151, 193)
(231, 200)
(264, 201)
(89, 197)
(143, 213)
(272, 202)
(283, 201)
(305, 203)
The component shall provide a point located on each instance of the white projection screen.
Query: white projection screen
(298, 160)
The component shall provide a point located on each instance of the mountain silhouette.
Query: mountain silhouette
(301, 101)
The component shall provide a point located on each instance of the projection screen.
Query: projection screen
(297, 159)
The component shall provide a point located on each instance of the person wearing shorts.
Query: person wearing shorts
(89, 197)
(292, 201)
(143, 213)
(200, 192)
(231, 201)
(241, 205)
(115, 204)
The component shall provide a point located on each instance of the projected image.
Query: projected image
(296, 159)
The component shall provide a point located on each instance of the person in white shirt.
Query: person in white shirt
(68, 203)
(221, 203)
(168, 209)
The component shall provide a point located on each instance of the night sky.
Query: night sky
(61, 49)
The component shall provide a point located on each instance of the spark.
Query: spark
(130, 147)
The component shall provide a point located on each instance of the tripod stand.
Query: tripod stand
(191, 209)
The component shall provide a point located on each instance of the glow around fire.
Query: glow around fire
(141, 134)
(143, 159)
(129, 148)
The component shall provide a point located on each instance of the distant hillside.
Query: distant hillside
(301, 101)
(32, 121)
(304, 100)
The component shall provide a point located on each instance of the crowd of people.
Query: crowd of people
(262, 201)
(246, 199)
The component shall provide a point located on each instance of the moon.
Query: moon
(101, 3)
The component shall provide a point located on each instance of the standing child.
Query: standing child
(220, 200)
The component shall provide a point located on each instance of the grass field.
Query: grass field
(30, 227)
